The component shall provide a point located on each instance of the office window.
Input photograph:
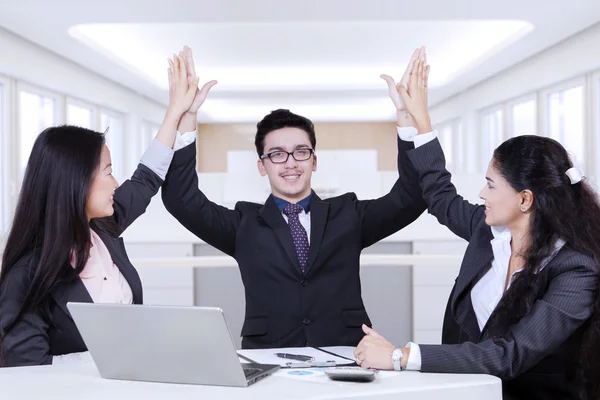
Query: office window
(112, 124)
(565, 116)
(492, 134)
(80, 116)
(36, 113)
(459, 143)
(523, 118)
(446, 138)
(450, 135)
(149, 131)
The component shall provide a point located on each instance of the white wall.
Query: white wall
(574, 57)
(25, 63)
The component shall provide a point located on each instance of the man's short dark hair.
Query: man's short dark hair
(282, 119)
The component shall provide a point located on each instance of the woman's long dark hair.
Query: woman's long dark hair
(50, 220)
(561, 210)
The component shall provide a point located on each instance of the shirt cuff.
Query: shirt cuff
(409, 134)
(184, 140)
(414, 357)
(158, 158)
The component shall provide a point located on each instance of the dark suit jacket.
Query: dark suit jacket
(535, 358)
(33, 339)
(324, 306)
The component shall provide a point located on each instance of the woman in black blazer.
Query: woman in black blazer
(69, 202)
(525, 304)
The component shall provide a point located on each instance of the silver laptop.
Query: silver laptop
(164, 344)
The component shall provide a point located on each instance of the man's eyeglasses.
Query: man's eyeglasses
(280, 156)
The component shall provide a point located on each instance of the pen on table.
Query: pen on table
(310, 364)
(297, 357)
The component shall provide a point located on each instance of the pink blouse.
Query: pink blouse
(102, 278)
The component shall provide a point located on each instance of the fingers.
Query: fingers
(192, 88)
(413, 81)
(370, 331)
(410, 67)
(419, 74)
(189, 61)
(170, 71)
(362, 345)
(427, 75)
(206, 87)
(182, 73)
(359, 353)
(389, 80)
(366, 329)
(176, 63)
(404, 94)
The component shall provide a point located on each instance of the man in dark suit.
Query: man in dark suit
(298, 254)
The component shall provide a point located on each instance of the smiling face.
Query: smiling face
(503, 204)
(100, 197)
(289, 180)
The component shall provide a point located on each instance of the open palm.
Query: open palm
(393, 88)
(201, 94)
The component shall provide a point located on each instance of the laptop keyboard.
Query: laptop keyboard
(251, 371)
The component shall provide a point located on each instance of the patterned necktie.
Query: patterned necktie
(298, 233)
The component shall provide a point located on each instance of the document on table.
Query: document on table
(340, 355)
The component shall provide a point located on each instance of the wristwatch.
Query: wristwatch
(396, 359)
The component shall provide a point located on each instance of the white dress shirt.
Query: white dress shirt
(488, 291)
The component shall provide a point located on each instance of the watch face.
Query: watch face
(397, 354)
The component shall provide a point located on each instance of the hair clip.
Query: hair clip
(575, 175)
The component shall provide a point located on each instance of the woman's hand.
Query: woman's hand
(374, 351)
(415, 98)
(181, 94)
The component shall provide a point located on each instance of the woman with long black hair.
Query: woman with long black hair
(64, 243)
(525, 305)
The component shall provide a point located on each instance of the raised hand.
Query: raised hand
(415, 98)
(393, 88)
(181, 93)
(201, 94)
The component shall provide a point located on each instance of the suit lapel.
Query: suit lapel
(117, 253)
(475, 264)
(70, 291)
(319, 210)
(556, 257)
(466, 317)
(272, 216)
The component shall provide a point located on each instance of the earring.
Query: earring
(523, 208)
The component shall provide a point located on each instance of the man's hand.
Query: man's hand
(404, 118)
(374, 351)
(181, 92)
(189, 119)
(201, 94)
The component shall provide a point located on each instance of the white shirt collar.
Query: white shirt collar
(502, 236)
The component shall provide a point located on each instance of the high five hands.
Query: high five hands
(410, 93)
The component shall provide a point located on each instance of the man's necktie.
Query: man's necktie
(298, 233)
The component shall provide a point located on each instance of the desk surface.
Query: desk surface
(84, 382)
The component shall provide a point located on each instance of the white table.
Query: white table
(84, 382)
